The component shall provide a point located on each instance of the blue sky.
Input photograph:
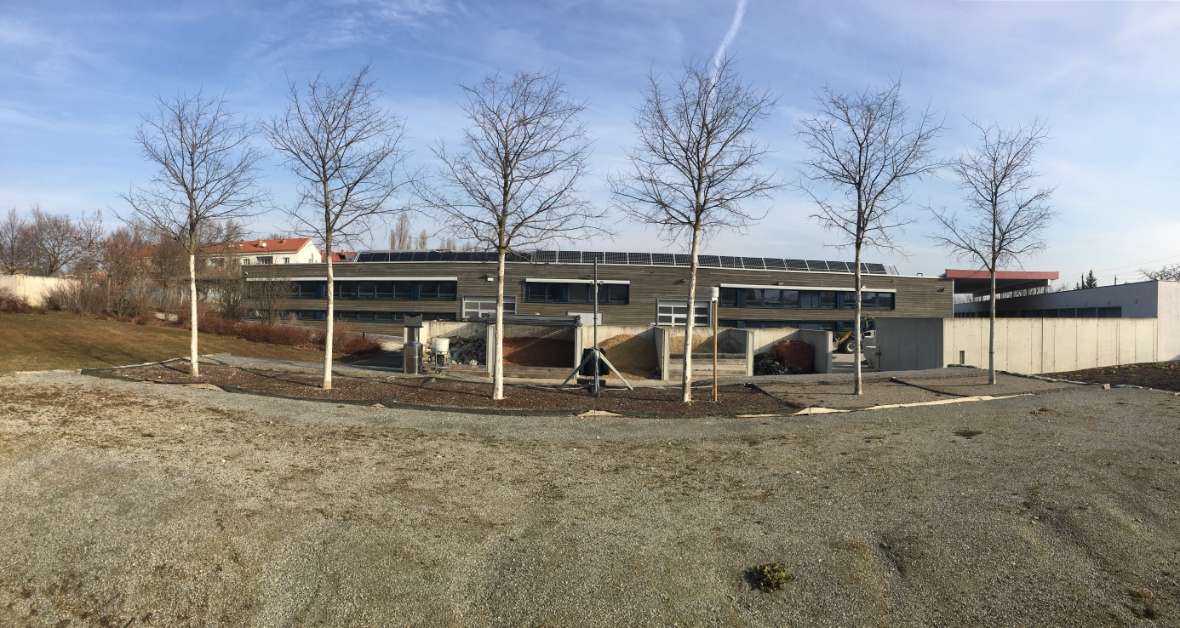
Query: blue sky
(78, 75)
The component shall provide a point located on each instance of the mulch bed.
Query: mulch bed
(434, 393)
(1161, 375)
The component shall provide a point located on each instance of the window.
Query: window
(308, 290)
(286, 260)
(485, 307)
(545, 292)
(245, 261)
(266, 259)
(397, 290)
(676, 312)
(793, 299)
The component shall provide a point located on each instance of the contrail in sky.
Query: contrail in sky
(739, 13)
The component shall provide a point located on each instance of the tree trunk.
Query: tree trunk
(498, 363)
(690, 317)
(991, 330)
(857, 336)
(193, 356)
(330, 323)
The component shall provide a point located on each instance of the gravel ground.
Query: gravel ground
(1161, 375)
(137, 504)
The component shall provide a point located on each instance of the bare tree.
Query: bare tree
(1165, 273)
(864, 150)
(56, 243)
(346, 150)
(16, 249)
(1005, 214)
(422, 242)
(206, 174)
(512, 184)
(696, 164)
(268, 296)
(399, 236)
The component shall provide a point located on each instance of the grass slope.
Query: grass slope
(58, 340)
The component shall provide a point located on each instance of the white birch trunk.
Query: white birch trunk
(858, 387)
(690, 319)
(991, 330)
(498, 362)
(330, 323)
(193, 355)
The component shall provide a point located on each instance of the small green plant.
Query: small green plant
(769, 577)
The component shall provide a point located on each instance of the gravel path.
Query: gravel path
(138, 504)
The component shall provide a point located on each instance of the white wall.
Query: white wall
(1047, 345)
(1169, 320)
(1023, 345)
(33, 289)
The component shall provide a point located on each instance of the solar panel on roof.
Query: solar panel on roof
(588, 257)
(876, 269)
(569, 257)
(400, 256)
(639, 258)
(545, 256)
(817, 264)
(774, 263)
(730, 262)
(711, 261)
(616, 258)
(438, 256)
(753, 263)
(683, 260)
(796, 264)
(663, 259)
(839, 267)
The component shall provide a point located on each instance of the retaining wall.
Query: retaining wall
(34, 289)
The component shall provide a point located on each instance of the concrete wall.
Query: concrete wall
(1023, 345)
(1046, 345)
(822, 341)
(1168, 305)
(33, 289)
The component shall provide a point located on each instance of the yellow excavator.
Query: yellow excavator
(844, 340)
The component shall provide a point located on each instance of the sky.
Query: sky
(1104, 77)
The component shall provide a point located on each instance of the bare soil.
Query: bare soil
(1160, 375)
(132, 504)
(444, 393)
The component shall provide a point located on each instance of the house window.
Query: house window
(485, 307)
(669, 312)
(266, 259)
(245, 261)
(286, 260)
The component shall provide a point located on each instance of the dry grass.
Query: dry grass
(57, 340)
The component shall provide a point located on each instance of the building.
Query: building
(263, 252)
(1158, 300)
(381, 288)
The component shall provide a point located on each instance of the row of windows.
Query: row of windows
(608, 293)
(348, 315)
(1064, 312)
(396, 290)
(780, 298)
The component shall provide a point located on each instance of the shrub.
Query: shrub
(769, 577)
(359, 345)
(11, 303)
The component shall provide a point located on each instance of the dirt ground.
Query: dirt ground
(1161, 375)
(135, 504)
(392, 391)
